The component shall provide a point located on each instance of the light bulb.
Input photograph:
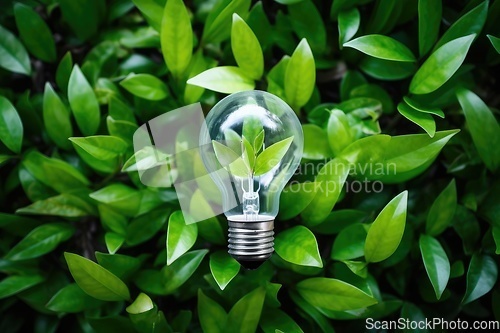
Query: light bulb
(251, 146)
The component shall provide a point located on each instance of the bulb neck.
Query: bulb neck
(251, 243)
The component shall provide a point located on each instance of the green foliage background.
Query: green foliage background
(405, 91)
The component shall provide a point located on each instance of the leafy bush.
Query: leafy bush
(404, 224)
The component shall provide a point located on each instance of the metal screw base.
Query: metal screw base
(251, 243)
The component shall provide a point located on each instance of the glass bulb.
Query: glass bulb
(251, 147)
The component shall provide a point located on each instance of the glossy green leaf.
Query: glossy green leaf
(56, 118)
(95, 280)
(246, 49)
(423, 108)
(65, 204)
(40, 241)
(339, 131)
(212, 316)
(83, 102)
(145, 86)
(300, 76)
(333, 294)
(441, 65)
(387, 70)
(11, 127)
(423, 120)
(224, 79)
(153, 12)
(350, 242)
(181, 270)
(113, 241)
(218, 24)
(100, 146)
(180, 236)
(442, 210)
(223, 267)
(245, 314)
(271, 156)
(13, 55)
(495, 41)
(176, 37)
(274, 320)
(386, 232)
(436, 263)
(141, 304)
(330, 179)
(71, 299)
(382, 47)
(471, 23)
(120, 265)
(349, 21)
(298, 246)
(481, 277)
(145, 226)
(483, 127)
(14, 284)
(429, 20)
(316, 145)
(118, 196)
(35, 33)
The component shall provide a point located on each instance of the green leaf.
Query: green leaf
(246, 49)
(140, 305)
(13, 55)
(95, 280)
(180, 236)
(387, 70)
(423, 120)
(145, 86)
(252, 127)
(312, 312)
(56, 118)
(212, 316)
(316, 146)
(65, 204)
(230, 160)
(82, 16)
(339, 131)
(12, 285)
(483, 127)
(101, 147)
(436, 263)
(35, 33)
(218, 24)
(120, 197)
(71, 299)
(441, 65)
(495, 41)
(181, 270)
(176, 37)
(224, 79)
(248, 154)
(331, 178)
(245, 314)
(300, 76)
(333, 294)
(113, 241)
(223, 267)
(442, 210)
(298, 246)
(429, 20)
(83, 102)
(274, 320)
(382, 47)
(386, 232)
(307, 23)
(271, 156)
(120, 265)
(40, 241)
(349, 21)
(153, 12)
(145, 226)
(471, 23)
(295, 198)
(11, 127)
(426, 109)
(63, 71)
(350, 242)
(481, 277)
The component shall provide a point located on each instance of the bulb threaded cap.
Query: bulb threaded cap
(251, 243)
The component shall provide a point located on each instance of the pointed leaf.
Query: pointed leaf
(56, 118)
(11, 127)
(382, 47)
(83, 102)
(481, 277)
(212, 316)
(224, 79)
(442, 210)
(223, 267)
(272, 156)
(436, 263)
(423, 120)
(180, 236)
(145, 86)
(13, 55)
(246, 48)
(429, 20)
(349, 21)
(245, 314)
(298, 246)
(300, 76)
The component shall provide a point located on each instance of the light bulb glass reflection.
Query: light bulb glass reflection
(251, 146)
